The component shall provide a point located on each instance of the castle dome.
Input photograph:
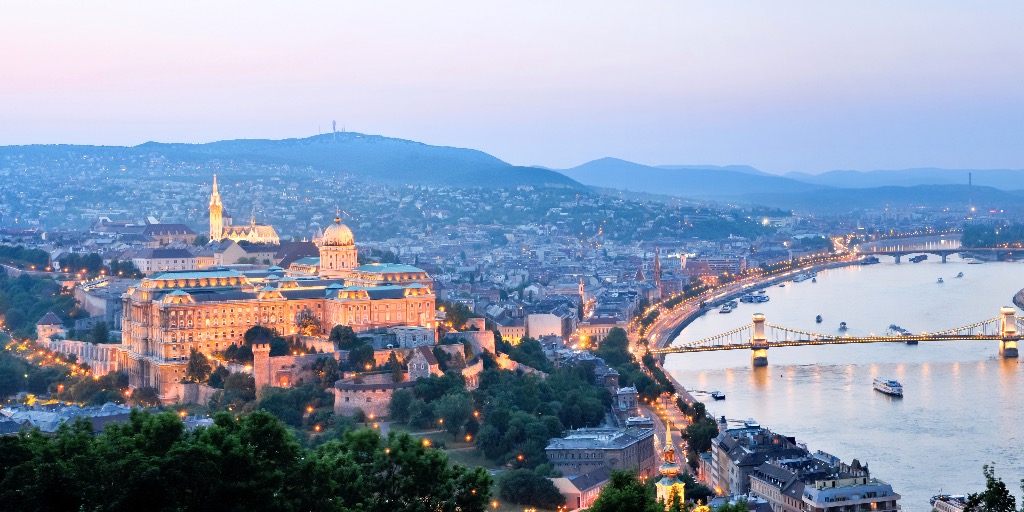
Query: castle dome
(337, 234)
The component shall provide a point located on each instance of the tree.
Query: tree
(397, 372)
(99, 333)
(527, 487)
(996, 497)
(398, 409)
(454, 409)
(198, 368)
(624, 492)
(344, 337)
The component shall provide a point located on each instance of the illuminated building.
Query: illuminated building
(670, 489)
(219, 229)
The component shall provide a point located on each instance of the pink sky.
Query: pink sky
(780, 85)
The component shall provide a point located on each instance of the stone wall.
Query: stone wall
(372, 395)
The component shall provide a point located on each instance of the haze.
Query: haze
(782, 85)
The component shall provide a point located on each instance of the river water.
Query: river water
(962, 403)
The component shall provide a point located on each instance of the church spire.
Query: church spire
(669, 488)
(216, 213)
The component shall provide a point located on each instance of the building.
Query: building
(166, 234)
(738, 452)
(170, 313)
(149, 261)
(820, 482)
(670, 489)
(221, 228)
(580, 491)
(587, 449)
(48, 326)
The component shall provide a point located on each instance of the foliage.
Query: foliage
(699, 434)
(95, 391)
(455, 409)
(996, 497)
(344, 337)
(13, 371)
(25, 299)
(398, 408)
(992, 235)
(245, 463)
(530, 353)
(527, 487)
(328, 370)
(239, 391)
(456, 314)
(289, 404)
(624, 492)
(22, 257)
(259, 334)
(614, 350)
(198, 368)
(100, 333)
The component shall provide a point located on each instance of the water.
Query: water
(962, 400)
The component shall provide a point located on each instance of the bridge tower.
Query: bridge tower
(759, 342)
(1008, 330)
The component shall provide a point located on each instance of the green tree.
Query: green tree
(99, 333)
(344, 337)
(530, 488)
(398, 408)
(198, 368)
(454, 409)
(996, 497)
(624, 492)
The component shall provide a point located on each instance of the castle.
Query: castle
(168, 314)
(219, 229)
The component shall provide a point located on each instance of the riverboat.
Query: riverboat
(725, 309)
(940, 281)
(747, 299)
(817, 319)
(949, 503)
(718, 395)
(870, 260)
(888, 386)
(801, 278)
(814, 279)
(842, 326)
(961, 274)
(919, 258)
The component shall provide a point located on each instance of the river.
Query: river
(962, 406)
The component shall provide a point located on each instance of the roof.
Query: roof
(197, 274)
(428, 355)
(168, 229)
(50, 319)
(296, 251)
(387, 268)
(592, 479)
(164, 254)
(600, 438)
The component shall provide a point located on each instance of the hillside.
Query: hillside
(371, 158)
(1003, 179)
(935, 196)
(684, 181)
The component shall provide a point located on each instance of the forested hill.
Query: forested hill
(370, 158)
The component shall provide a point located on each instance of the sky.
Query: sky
(784, 85)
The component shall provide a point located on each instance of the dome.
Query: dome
(337, 234)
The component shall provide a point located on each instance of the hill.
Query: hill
(934, 196)
(1003, 179)
(683, 181)
(370, 158)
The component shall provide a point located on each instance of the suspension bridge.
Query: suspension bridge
(759, 336)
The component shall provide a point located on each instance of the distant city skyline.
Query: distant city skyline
(786, 86)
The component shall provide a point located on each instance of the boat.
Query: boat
(961, 274)
(761, 298)
(761, 292)
(814, 279)
(817, 319)
(940, 281)
(842, 326)
(870, 260)
(732, 304)
(888, 386)
(949, 503)
(725, 309)
(747, 298)
(975, 262)
(801, 278)
(783, 285)
(919, 258)
(718, 395)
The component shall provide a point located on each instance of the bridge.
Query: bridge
(941, 246)
(759, 336)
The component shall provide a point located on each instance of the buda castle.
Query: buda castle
(170, 313)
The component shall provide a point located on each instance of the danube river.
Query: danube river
(962, 406)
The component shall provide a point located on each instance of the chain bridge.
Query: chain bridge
(759, 336)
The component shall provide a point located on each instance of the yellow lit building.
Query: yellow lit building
(170, 313)
(255, 233)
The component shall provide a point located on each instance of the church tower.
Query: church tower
(216, 213)
(669, 488)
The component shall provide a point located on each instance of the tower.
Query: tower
(669, 488)
(338, 253)
(216, 213)
(261, 365)
(657, 272)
